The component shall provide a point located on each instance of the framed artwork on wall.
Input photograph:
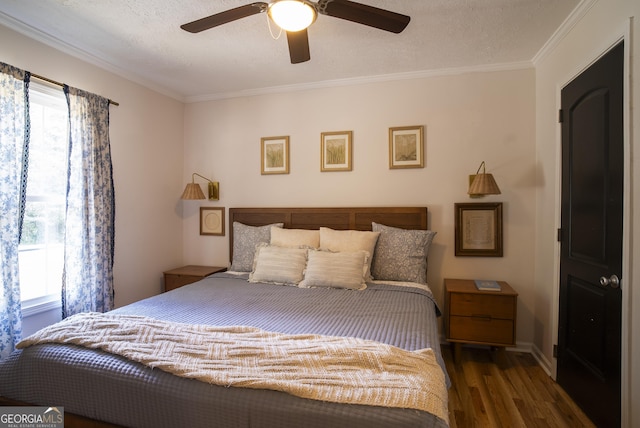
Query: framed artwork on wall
(336, 151)
(212, 221)
(406, 147)
(274, 155)
(478, 229)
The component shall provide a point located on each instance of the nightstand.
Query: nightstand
(175, 278)
(479, 317)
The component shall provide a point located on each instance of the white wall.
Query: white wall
(146, 132)
(468, 118)
(597, 31)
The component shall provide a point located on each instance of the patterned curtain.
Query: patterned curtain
(14, 143)
(90, 213)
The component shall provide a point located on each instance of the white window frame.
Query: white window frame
(51, 96)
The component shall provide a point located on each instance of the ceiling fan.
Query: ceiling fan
(297, 36)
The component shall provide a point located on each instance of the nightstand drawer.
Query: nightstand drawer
(483, 305)
(478, 329)
(176, 278)
(176, 281)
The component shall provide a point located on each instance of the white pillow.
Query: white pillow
(278, 265)
(295, 237)
(349, 240)
(338, 270)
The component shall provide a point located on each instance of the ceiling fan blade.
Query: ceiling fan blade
(224, 17)
(364, 14)
(298, 46)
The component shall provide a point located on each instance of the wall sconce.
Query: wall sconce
(193, 190)
(482, 184)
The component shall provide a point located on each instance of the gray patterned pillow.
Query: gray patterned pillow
(245, 239)
(401, 254)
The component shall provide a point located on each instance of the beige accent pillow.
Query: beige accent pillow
(349, 240)
(337, 270)
(278, 265)
(295, 237)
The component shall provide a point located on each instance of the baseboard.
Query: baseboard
(542, 360)
(526, 347)
(521, 347)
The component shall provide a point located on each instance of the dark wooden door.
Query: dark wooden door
(591, 239)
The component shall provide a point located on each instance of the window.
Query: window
(41, 248)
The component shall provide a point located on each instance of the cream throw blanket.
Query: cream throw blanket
(327, 368)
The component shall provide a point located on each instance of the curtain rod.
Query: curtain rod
(46, 79)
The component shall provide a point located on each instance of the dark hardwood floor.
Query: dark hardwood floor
(491, 388)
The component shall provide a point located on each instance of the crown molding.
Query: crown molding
(565, 28)
(81, 54)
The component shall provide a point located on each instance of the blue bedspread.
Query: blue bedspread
(110, 388)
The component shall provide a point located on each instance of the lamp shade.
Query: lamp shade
(483, 183)
(292, 15)
(192, 191)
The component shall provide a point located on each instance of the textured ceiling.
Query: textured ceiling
(142, 40)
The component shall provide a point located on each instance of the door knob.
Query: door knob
(612, 281)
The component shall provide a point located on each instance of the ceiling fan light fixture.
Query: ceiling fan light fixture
(292, 15)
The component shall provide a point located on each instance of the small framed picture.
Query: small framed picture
(274, 155)
(212, 221)
(336, 151)
(478, 229)
(406, 147)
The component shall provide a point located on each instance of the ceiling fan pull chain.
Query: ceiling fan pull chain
(271, 29)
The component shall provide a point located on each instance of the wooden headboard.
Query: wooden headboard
(335, 218)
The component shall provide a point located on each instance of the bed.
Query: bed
(332, 286)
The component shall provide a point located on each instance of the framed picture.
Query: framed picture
(212, 221)
(274, 155)
(406, 147)
(479, 229)
(336, 151)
